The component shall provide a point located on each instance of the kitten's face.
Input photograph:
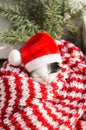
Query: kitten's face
(45, 74)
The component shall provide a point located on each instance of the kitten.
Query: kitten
(45, 74)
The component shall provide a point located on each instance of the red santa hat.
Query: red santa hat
(38, 50)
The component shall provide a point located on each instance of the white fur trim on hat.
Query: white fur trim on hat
(34, 64)
(14, 57)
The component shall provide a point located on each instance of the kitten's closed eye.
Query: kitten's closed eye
(54, 67)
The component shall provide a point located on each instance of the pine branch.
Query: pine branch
(20, 25)
(28, 17)
(52, 18)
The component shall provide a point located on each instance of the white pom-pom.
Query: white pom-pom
(14, 57)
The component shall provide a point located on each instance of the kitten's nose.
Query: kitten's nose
(45, 80)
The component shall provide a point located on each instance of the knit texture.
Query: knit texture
(28, 105)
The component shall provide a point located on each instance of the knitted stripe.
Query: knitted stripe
(28, 105)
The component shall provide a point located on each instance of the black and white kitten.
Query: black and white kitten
(45, 74)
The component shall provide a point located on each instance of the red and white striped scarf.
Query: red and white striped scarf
(28, 105)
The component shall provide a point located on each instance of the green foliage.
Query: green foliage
(21, 26)
(28, 17)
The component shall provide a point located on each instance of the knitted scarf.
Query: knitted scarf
(28, 105)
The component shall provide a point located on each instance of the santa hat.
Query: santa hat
(38, 50)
